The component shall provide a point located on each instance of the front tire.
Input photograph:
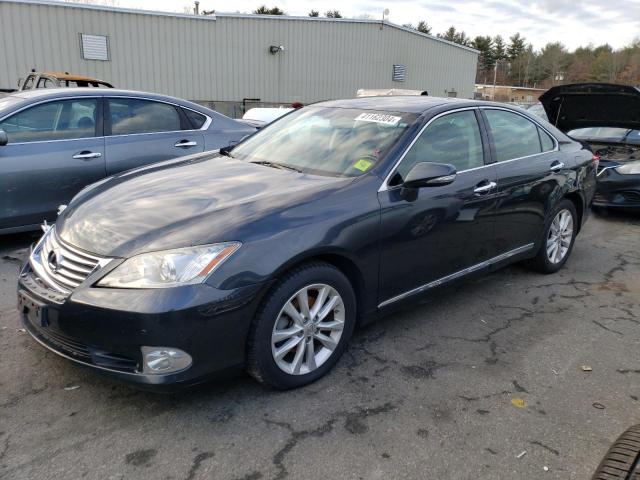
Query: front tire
(558, 238)
(302, 327)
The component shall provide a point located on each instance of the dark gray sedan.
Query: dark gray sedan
(53, 142)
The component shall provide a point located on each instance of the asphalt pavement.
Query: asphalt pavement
(516, 375)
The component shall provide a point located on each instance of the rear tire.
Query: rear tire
(558, 238)
(293, 340)
(622, 461)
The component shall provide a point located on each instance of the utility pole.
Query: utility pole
(495, 76)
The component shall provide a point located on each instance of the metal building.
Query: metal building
(227, 58)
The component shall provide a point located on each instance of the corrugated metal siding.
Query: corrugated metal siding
(227, 58)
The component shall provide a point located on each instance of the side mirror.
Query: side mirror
(426, 174)
(4, 139)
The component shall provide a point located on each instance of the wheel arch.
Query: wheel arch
(578, 201)
(340, 261)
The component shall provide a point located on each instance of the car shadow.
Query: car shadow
(631, 217)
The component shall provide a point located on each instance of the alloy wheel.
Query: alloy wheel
(308, 329)
(560, 236)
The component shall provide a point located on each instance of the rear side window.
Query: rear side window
(545, 140)
(130, 115)
(196, 119)
(62, 120)
(453, 139)
(513, 135)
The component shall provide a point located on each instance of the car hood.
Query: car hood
(182, 202)
(583, 105)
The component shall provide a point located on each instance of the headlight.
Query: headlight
(169, 268)
(630, 168)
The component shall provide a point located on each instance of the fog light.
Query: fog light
(162, 360)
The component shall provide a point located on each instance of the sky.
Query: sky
(572, 22)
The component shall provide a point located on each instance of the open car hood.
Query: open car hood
(582, 105)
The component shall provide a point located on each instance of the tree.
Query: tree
(517, 46)
(333, 14)
(314, 13)
(263, 10)
(455, 36)
(554, 60)
(630, 73)
(485, 46)
(499, 50)
(579, 70)
(422, 27)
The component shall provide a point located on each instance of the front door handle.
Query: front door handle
(185, 144)
(555, 166)
(87, 155)
(485, 187)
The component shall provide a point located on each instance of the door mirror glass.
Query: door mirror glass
(4, 139)
(427, 174)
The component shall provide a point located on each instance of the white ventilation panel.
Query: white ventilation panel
(94, 47)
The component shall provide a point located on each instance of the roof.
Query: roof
(217, 15)
(45, 93)
(398, 103)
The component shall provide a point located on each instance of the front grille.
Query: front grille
(60, 266)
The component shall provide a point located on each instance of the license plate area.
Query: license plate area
(35, 311)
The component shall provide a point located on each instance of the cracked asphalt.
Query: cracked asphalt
(457, 388)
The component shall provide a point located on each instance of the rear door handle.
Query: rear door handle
(555, 166)
(185, 144)
(86, 155)
(485, 187)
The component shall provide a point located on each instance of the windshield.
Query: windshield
(336, 142)
(607, 134)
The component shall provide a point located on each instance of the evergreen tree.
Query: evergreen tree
(517, 46)
(499, 49)
(263, 10)
(423, 27)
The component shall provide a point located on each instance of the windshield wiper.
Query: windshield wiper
(278, 165)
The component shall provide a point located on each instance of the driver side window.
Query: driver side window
(454, 139)
(57, 120)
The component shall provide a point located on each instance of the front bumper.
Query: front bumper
(615, 190)
(105, 328)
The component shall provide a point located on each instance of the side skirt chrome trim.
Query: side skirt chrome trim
(457, 275)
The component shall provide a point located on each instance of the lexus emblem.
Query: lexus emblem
(54, 259)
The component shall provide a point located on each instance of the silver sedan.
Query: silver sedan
(53, 142)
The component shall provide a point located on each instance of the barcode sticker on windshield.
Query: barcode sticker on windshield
(378, 118)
